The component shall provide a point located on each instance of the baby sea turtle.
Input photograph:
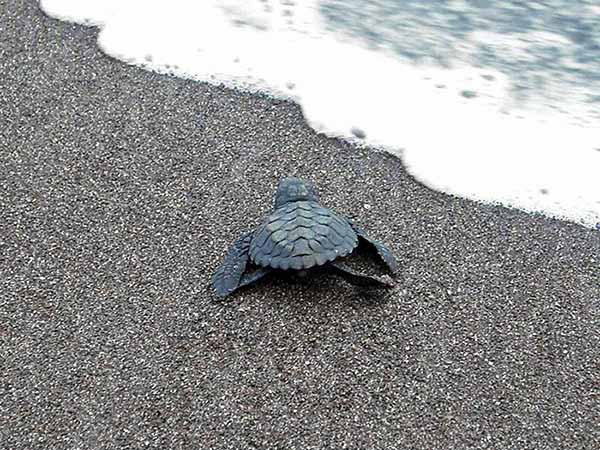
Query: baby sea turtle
(299, 235)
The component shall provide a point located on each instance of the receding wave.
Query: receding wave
(457, 117)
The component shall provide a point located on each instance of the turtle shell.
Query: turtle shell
(300, 235)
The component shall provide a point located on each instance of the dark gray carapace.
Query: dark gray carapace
(298, 235)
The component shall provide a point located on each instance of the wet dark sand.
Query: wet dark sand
(121, 189)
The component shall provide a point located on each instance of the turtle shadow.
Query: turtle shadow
(313, 291)
(321, 285)
(371, 297)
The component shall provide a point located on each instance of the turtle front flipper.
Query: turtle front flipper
(230, 275)
(384, 253)
(359, 279)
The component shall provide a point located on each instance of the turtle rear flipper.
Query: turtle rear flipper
(384, 253)
(231, 273)
(255, 275)
(359, 279)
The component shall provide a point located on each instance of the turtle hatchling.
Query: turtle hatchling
(301, 236)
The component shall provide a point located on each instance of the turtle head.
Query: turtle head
(293, 190)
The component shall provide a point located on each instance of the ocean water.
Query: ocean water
(493, 101)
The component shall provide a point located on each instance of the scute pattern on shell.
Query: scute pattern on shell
(301, 235)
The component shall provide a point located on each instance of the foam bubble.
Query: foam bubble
(89, 12)
(458, 129)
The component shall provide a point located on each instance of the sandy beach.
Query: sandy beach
(120, 191)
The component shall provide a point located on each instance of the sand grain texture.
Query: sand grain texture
(121, 189)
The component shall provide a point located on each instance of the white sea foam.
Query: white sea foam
(458, 130)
